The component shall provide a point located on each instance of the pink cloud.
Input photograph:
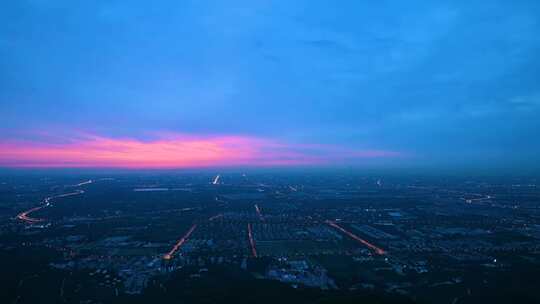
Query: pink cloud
(172, 151)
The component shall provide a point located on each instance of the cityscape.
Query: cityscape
(269, 152)
(83, 238)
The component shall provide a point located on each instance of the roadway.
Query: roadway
(251, 241)
(24, 216)
(376, 249)
(179, 244)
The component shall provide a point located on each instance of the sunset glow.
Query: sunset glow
(172, 151)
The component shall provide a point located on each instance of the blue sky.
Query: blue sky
(442, 82)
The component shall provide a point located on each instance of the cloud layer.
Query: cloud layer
(174, 151)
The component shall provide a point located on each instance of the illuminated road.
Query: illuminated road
(24, 216)
(180, 242)
(216, 180)
(259, 212)
(481, 198)
(252, 242)
(376, 249)
(215, 217)
(83, 183)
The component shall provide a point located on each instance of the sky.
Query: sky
(269, 83)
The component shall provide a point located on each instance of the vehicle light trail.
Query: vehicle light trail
(215, 217)
(216, 180)
(259, 212)
(481, 199)
(251, 241)
(377, 250)
(24, 216)
(83, 183)
(179, 244)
